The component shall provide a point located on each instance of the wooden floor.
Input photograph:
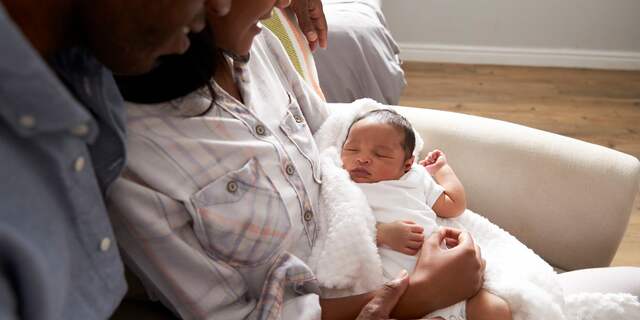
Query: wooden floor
(597, 106)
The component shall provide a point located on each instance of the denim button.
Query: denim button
(105, 244)
(27, 121)
(78, 165)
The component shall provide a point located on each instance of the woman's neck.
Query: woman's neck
(225, 80)
(46, 24)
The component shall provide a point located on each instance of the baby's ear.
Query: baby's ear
(408, 163)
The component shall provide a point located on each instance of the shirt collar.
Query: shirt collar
(33, 98)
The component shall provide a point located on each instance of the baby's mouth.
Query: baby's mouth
(359, 173)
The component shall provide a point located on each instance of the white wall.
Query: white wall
(573, 33)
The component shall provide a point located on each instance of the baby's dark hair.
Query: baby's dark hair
(391, 117)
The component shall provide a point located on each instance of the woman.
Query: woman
(217, 209)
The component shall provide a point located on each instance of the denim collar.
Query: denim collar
(33, 99)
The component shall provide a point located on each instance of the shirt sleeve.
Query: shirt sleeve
(158, 243)
(432, 190)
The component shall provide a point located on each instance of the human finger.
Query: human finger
(414, 244)
(410, 251)
(385, 299)
(417, 229)
(451, 242)
(416, 237)
(480, 259)
(316, 11)
(447, 232)
(301, 10)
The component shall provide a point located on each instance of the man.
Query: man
(62, 143)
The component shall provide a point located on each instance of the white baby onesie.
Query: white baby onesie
(409, 198)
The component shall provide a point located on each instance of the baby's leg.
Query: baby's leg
(487, 306)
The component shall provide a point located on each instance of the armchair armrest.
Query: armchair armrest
(566, 199)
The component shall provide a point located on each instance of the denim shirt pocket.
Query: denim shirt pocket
(240, 218)
(294, 126)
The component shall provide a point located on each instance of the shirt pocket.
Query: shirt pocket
(240, 218)
(294, 126)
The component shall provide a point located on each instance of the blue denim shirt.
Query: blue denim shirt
(61, 145)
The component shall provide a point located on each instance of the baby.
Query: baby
(378, 154)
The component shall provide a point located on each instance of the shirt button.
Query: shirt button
(308, 215)
(260, 130)
(290, 169)
(80, 130)
(297, 118)
(27, 121)
(232, 186)
(105, 244)
(78, 165)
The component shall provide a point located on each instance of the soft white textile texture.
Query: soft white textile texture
(514, 272)
(408, 198)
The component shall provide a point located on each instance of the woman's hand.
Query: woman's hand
(312, 21)
(434, 161)
(385, 299)
(443, 276)
(402, 236)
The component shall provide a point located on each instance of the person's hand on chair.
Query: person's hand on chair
(312, 21)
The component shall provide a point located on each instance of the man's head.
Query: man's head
(129, 36)
(379, 146)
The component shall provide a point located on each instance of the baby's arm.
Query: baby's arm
(452, 202)
(402, 236)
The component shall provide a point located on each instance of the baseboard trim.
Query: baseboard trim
(618, 60)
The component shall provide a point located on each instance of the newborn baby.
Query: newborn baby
(405, 199)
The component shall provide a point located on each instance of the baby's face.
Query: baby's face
(373, 152)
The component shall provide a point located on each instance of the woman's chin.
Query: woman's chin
(238, 50)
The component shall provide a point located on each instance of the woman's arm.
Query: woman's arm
(453, 201)
(156, 239)
(441, 278)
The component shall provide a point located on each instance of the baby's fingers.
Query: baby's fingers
(414, 244)
(416, 237)
(417, 229)
(411, 252)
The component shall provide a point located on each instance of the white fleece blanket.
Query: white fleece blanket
(346, 262)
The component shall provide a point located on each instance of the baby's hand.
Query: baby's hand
(434, 161)
(402, 236)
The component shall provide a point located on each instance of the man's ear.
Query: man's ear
(408, 163)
